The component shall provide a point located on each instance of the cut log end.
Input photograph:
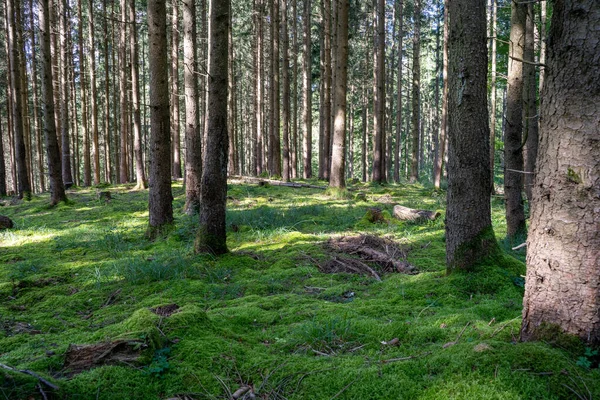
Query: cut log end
(408, 214)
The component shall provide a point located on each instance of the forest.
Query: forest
(299, 199)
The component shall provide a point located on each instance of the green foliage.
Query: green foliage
(588, 359)
(264, 314)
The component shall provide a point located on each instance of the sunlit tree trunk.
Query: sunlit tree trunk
(416, 93)
(258, 98)
(493, 40)
(562, 287)
(285, 72)
(275, 142)
(36, 119)
(107, 102)
(93, 93)
(175, 135)
(123, 88)
(294, 139)
(397, 153)
(212, 235)
(87, 167)
(307, 94)
(469, 234)
(530, 111)
(57, 189)
(2, 162)
(379, 96)
(160, 195)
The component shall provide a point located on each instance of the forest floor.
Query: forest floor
(90, 306)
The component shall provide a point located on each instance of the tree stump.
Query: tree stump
(5, 223)
(106, 196)
(408, 214)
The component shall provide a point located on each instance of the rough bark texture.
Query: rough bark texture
(160, 195)
(530, 111)
(193, 140)
(93, 91)
(338, 154)
(87, 166)
(416, 93)
(57, 189)
(493, 90)
(123, 165)
(212, 236)
(285, 76)
(275, 142)
(175, 135)
(2, 163)
(563, 261)
(397, 153)
(258, 98)
(307, 94)
(409, 214)
(469, 234)
(513, 150)
(379, 97)
(36, 116)
(140, 173)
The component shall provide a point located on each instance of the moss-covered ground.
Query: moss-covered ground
(264, 315)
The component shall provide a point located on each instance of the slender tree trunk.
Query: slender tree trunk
(493, 93)
(562, 287)
(57, 189)
(285, 72)
(36, 119)
(53, 7)
(365, 122)
(212, 235)
(160, 195)
(138, 153)
(416, 93)
(193, 138)
(469, 233)
(437, 151)
(87, 168)
(13, 20)
(175, 135)
(275, 142)
(397, 153)
(124, 104)
(258, 100)
(231, 103)
(513, 151)
(94, 95)
(530, 112)
(379, 96)
(107, 102)
(294, 145)
(307, 94)
(338, 159)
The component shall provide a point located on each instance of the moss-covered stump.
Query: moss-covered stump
(5, 223)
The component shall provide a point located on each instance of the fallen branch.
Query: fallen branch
(449, 344)
(504, 326)
(27, 372)
(344, 389)
(520, 246)
(405, 358)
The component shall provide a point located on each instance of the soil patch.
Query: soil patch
(365, 255)
(166, 310)
(83, 358)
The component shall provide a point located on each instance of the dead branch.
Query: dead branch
(450, 344)
(405, 358)
(27, 372)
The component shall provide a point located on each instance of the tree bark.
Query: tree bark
(123, 88)
(513, 149)
(160, 195)
(530, 111)
(294, 139)
(494, 18)
(107, 102)
(212, 236)
(275, 142)
(338, 155)
(87, 167)
(2, 163)
(416, 93)
(379, 96)
(193, 139)
(469, 234)
(175, 131)
(57, 188)
(285, 75)
(258, 98)
(563, 271)
(307, 94)
(36, 118)
(397, 153)
(93, 93)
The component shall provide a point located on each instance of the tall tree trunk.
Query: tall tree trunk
(379, 96)
(513, 151)
(212, 235)
(437, 151)
(325, 106)
(193, 138)
(285, 72)
(416, 93)
(13, 20)
(94, 95)
(36, 120)
(160, 195)
(87, 167)
(530, 112)
(338, 159)
(138, 153)
(57, 189)
(2, 162)
(493, 32)
(107, 102)
(275, 142)
(258, 99)
(231, 103)
(307, 94)
(124, 104)
(469, 233)
(175, 136)
(53, 7)
(563, 273)
(397, 153)
(294, 145)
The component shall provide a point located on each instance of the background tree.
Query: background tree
(416, 93)
(212, 236)
(469, 234)
(307, 93)
(140, 171)
(563, 273)
(379, 98)
(160, 195)
(175, 130)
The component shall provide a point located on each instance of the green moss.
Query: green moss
(473, 253)
(573, 176)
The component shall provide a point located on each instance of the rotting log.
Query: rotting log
(408, 214)
(5, 223)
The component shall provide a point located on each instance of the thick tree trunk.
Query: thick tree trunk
(416, 93)
(93, 93)
(175, 135)
(285, 75)
(338, 159)
(397, 153)
(193, 138)
(493, 92)
(379, 96)
(307, 93)
(469, 234)
(24, 184)
(513, 149)
(212, 236)
(563, 270)
(124, 104)
(140, 172)
(57, 189)
(530, 111)
(160, 195)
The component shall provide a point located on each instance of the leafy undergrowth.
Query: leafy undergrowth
(163, 322)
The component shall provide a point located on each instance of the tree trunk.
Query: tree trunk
(160, 196)
(493, 34)
(87, 167)
(193, 139)
(2, 163)
(294, 139)
(338, 161)
(24, 184)
(437, 151)
(563, 271)
(231, 104)
(469, 234)
(275, 142)
(107, 102)
(212, 235)
(307, 94)
(513, 149)
(416, 93)
(93, 93)
(397, 153)
(57, 189)
(379, 96)
(285, 75)
(175, 135)
(36, 118)
(140, 172)
(530, 112)
(123, 88)
(258, 98)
